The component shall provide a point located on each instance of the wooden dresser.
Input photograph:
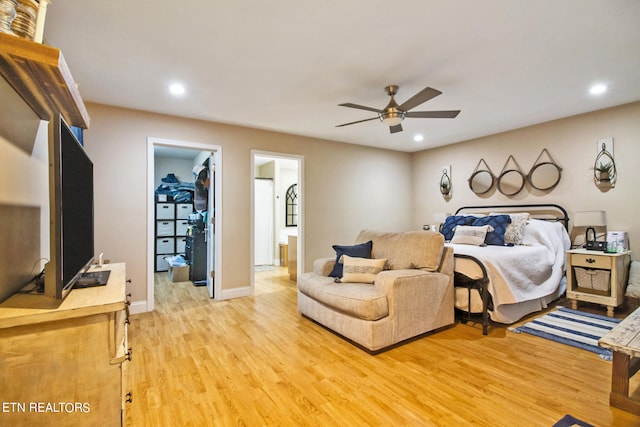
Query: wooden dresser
(63, 362)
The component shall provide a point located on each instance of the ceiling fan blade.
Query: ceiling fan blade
(450, 114)
(423, 96)
(360, 107)
(396, 128)
(359, 121)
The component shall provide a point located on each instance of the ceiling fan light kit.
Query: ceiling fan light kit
(393, 114)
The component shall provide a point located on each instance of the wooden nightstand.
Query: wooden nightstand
(597, 277)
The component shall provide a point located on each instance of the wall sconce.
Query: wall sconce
(445, 181)
(604, 168)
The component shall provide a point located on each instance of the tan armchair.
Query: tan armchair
(412, 296)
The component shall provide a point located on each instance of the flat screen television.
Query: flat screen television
(71, 210)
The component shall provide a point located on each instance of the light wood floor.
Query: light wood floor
(256, 362)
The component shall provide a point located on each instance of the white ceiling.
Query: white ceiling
(285, 65)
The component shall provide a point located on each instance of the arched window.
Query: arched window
(291, 219)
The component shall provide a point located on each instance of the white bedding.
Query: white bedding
(522, 279)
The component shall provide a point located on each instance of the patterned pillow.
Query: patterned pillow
(453, 221)
(362, 250)
(499, 224)
(471, 235)
(360, 270)
(515, 230)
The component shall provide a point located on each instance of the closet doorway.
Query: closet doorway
(185, 176)
(277, 213)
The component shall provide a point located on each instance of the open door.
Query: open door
(213, 224)
(210, 227)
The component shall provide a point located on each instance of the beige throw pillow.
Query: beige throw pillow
(470, 235)
(360, 270)
(515, 231)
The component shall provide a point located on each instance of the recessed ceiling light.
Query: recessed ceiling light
(177, 89)
(598, 89)
(418, 138)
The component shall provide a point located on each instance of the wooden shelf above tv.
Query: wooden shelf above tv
(40, 75)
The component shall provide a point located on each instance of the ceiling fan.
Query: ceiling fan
(393, 114)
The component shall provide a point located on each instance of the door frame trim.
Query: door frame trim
(151, 143)
(301, 215)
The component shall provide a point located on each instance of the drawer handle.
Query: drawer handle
(128, 355)
(129, 398)
(590, 260)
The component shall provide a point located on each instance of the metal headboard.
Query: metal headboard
(546, 212)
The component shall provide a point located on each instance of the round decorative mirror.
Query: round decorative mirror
(481, 181)
(544, 176)
(510, 182)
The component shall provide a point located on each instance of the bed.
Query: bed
(509, 278)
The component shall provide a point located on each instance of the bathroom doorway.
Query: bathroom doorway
(277, 210)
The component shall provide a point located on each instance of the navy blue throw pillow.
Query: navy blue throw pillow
(452, 221)
(361, 250)
(499, 224)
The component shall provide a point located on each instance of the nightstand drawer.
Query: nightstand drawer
(591, 261)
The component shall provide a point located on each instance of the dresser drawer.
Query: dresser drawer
(165, 211)
(591, 261)
(165, 228)
(181, 227)
(181, 243)
(183, 210)
(161, 263)
(165, 245)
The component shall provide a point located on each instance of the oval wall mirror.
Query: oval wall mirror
(544, 175)
(481, 181)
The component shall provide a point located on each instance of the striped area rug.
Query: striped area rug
(572, 327)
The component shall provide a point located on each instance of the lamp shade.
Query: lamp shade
(590, 219)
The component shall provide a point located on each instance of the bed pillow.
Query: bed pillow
(499, 224)
(515, 230)
(361, 250)
(453, 221)
(470, 234)
(360, 270)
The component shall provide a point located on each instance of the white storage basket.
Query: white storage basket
(593, 279)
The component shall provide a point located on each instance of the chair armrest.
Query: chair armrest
(323, 266)
(413, 291)
(447, 263)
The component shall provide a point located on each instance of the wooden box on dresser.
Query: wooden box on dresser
(64, 362)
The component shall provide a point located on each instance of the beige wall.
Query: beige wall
(346, 188)
(572, 142)
(24, 178)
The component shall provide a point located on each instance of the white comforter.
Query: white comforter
(523, 275)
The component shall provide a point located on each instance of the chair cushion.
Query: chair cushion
(410, 249)
(353, 299)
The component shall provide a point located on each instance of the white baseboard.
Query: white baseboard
(236, 293)
(138, 307)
